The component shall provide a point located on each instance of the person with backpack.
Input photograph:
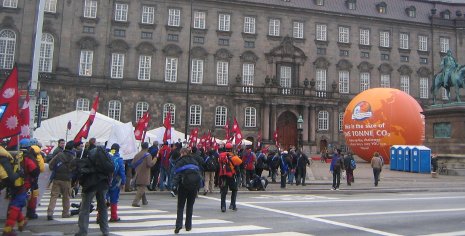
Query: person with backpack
(377, 165)
(273, 164)
(61, 166)
(94, 171)
(261, 161)
(12, 178)
(227, 176)
(284, 163)
(350, 165)
(336, 167)
(164, 157)
(301, 168)
(118, 181)
(186, 184)
(142, 163)
(210, 166)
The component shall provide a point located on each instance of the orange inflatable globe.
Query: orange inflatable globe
(378, 118)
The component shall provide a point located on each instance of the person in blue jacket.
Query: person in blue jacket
(336, 167)
(118, 181)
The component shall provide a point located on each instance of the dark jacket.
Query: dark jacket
(337, 163)
(62, 165)
(183, 161)
(302, 160)
(347, 162)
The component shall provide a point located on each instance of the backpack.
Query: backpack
(337, 163)
(102, 160)
(260, 161)
(191, 180)
(116, 179)
(211, 164)
(353, 165)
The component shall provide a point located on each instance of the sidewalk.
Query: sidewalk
(319, 180)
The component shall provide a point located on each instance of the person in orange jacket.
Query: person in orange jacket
(227, 176)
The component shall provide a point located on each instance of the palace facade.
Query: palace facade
(264, 62)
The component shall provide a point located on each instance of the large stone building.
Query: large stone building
(264, 62)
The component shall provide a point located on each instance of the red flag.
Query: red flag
(226, 129)
(9, 106)
(193, 137)
(259, 139)
(23, 123)
(167, 124)
(47, 149)
(141, 126)
(237, 132)
(84, 131)
(275, 137)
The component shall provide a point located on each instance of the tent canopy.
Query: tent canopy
(53, 129)
(160, 131)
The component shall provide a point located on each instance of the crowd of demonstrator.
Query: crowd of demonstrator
(101, 173)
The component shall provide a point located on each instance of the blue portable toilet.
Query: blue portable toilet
(393, 158)
(400, 157)
(415, 160)
(424, 154)
(407, 157)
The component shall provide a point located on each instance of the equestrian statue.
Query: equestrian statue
(452, 75)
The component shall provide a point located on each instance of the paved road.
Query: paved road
(334, 213)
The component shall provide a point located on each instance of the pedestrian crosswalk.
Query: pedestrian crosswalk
(144, 221)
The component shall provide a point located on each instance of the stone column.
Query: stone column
(312, 124)
(305, 125)
(335, 125)
(273, 120)
(266, 122)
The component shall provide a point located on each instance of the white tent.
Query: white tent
(55, 128)
(160, 131)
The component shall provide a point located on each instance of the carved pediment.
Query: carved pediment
(249, 56)
(87, 43)
(424, 72)
(321, 63)
(199, 52)
(405, 70)
(287, 49)
(223, 54)
(119, 45)
(385, 68)
(146, 48)
(344, 64)
(172, 50)
(365, 66)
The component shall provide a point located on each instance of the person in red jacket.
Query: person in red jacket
(249, 160)
(164, 157)
(31, 181)
(227, 176)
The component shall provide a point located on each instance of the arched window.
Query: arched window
(141, 108)
(169, 107)
(114, 109)
(46, 53)
(195, 115)
(221, 114)
(82, 104)
(323, 118)
(250, 117)
(7, 48)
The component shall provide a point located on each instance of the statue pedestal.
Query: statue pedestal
(445, 135)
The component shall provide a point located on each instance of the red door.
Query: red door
(287, 130)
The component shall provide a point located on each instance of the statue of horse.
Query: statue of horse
(457, 81)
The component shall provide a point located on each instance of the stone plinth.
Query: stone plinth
(445, 135)
(445, 128)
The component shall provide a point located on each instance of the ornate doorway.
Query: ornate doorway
(287, 130)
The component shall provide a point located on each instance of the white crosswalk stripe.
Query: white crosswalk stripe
(143, 221)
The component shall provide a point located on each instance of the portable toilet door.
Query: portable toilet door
(425, 159)
(407, 157)
(415, 160)
(400, 158)
(393, 158)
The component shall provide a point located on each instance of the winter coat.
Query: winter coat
(62, 165)
(142, 176)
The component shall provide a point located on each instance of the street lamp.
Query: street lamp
(300, 122)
